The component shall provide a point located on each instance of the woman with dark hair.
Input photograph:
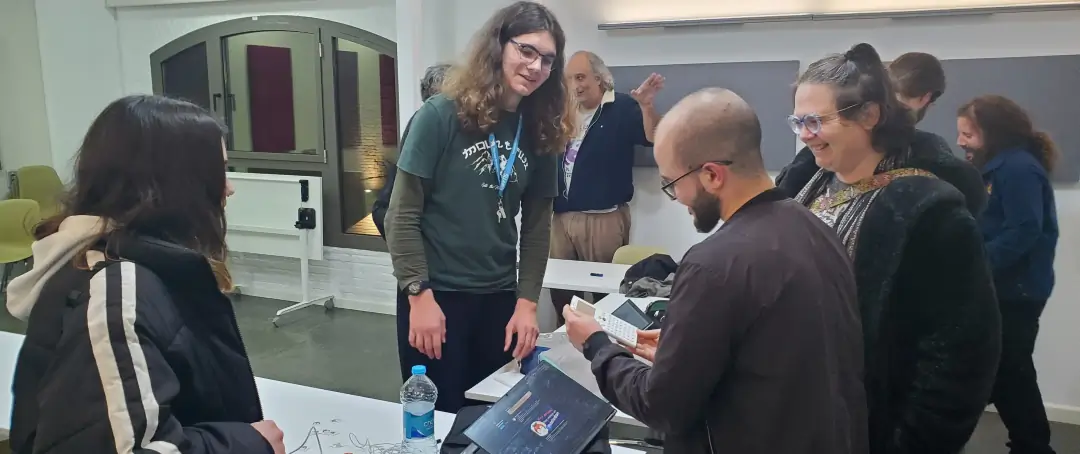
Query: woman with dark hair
(919, 80)
(473, 157)
(131, 344)
(930, 321)
(1020, 231)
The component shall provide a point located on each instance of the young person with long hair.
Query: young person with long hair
(919, 80)
(475, 156)
(131, 344)
(1020, 230)
(930, 322)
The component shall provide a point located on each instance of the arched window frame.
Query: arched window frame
(328, 160)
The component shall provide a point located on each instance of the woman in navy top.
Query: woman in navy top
(1020, 231)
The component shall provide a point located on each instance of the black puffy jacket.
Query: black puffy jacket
(137, 355)
(931, 325)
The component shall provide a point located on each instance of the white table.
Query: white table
(584, 276)
(296, 409)
(10, 344)
(499, 383)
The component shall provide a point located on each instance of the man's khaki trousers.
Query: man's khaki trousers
(590, 237)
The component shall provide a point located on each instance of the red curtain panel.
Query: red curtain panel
(270, 85)
(388, 99)
(347, 80)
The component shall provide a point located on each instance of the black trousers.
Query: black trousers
(475, 335)
(1016, 392)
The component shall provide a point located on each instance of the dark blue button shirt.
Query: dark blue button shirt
(1019, 226)
(604, 169)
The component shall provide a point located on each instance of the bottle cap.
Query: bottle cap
(419, 370)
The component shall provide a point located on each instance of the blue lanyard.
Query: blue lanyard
(502, 176)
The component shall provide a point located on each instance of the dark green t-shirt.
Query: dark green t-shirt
(466, 246)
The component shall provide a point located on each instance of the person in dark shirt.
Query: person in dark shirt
(1020, 230)
(761, 347)
(473, 158)
(430, 85)
(919, 80)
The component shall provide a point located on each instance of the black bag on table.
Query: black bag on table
(656, 266)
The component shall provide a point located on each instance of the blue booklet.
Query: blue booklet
(545, 412)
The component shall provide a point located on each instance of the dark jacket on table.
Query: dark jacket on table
(761, 347)
(1020, 226)
(931, 325)
(135, 356)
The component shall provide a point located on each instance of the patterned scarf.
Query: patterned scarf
(857, 197)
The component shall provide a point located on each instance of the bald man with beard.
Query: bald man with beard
(761, 348)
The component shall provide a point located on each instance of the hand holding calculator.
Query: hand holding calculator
(622, 331)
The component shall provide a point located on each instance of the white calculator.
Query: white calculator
(616, 327)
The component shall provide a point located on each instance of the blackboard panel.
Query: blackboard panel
(765, 85)
(1047, 87)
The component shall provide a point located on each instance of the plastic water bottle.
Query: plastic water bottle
(418, 396)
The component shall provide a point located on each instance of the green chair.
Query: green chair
(632, 253)
(40, 184)
(18, 219)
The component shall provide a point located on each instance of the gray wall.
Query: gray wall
(765, 85)
(1048, 87)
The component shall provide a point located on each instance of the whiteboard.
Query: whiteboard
(261, 215)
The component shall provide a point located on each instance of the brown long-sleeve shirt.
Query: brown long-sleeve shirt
(761, 348)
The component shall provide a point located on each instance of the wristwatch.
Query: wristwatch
(417, 287)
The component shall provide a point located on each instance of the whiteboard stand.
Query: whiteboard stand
(306, 224)
(264, 218)
(305, 283)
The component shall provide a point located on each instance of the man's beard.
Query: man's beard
(706, 210)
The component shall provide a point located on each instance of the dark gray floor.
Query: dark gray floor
(356, 353)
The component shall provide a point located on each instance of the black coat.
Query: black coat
(931, 325)
(382, 201)
(141, 355)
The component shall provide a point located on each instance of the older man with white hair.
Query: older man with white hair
(592, 219)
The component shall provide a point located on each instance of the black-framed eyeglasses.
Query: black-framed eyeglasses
(669, 186)
(813, 121)
(530, 53)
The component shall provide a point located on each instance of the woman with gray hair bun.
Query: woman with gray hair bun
(931, 326)
(430, 85)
